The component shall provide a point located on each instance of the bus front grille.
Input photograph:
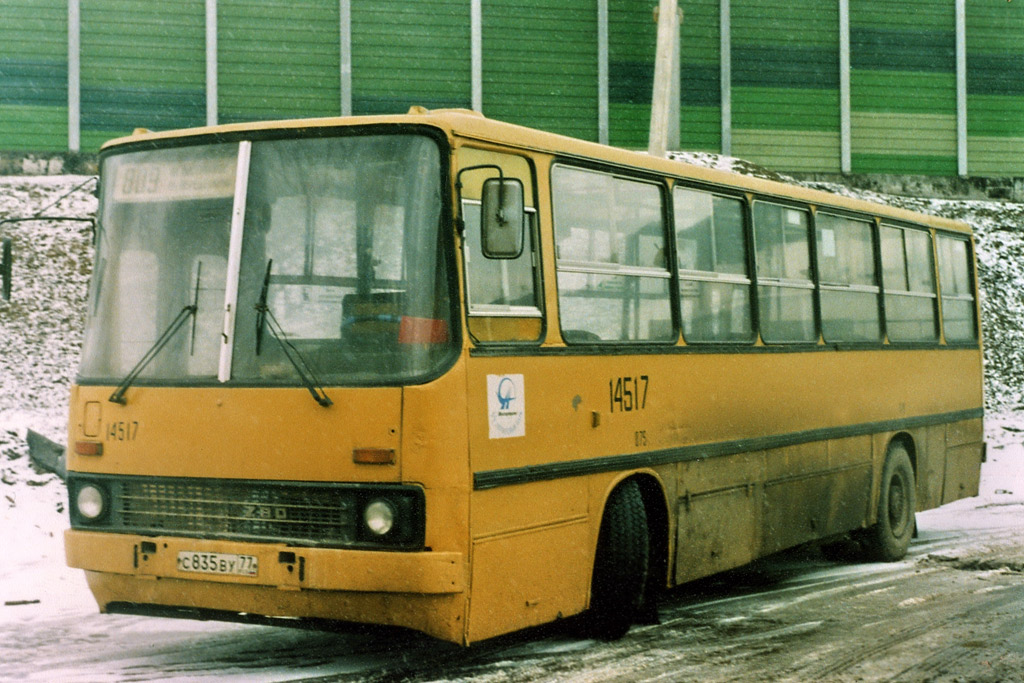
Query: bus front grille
(231, 509)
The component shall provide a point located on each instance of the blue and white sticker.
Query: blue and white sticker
(506, 406)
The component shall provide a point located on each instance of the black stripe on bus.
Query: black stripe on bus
(490, 479)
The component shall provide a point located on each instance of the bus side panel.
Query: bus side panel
(964, 450)
(963, 472)
(531, 556)
(930, 466)
(852, 458)
(808, 497)
(719, 514)
(433, 448)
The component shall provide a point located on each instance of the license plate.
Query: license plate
(217, 563)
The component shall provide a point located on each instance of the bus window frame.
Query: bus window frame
(662, 183)
(972, 283)
(811, 284)
(937, 339)
(878, 290)
(534, 224)
(750, 280)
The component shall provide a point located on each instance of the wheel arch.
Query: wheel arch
(655, 500)
(909, 444)
(656, 507)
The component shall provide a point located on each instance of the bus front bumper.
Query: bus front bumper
(420, 590)
(277, 565)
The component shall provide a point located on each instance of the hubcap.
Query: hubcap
(897, 506)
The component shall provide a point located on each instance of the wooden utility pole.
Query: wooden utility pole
(664, 132)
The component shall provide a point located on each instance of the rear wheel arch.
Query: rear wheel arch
(905, 440)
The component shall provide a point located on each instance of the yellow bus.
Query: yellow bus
(445, 373)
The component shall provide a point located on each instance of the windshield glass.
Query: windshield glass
(348, 227)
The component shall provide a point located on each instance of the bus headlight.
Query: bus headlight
(90, 502)
(379, 516)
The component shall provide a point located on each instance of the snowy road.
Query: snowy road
(953, 610)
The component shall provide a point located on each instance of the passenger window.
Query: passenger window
(785, 289)
(958, 320)
(714, 285)
(848, 282)
(613, 273)
(908, 274)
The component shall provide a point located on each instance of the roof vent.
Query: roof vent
(421, 111)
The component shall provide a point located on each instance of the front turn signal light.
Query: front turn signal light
(88, 448)
(373, 456)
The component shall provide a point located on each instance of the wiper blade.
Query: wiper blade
(261, 307)
(302, 367)
(158, 345)
(195, 304)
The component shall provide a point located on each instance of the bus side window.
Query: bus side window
(957, 292)
(849, 283)
(909, 280)
(613, 274)
(785, 289)
(714, 285)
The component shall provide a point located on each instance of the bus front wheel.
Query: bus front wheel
(620, 565)
(889, 538)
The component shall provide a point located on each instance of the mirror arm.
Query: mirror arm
(501, 186)
(460, 222)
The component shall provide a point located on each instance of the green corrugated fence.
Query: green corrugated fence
(920, 96)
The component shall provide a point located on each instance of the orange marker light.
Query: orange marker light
(88, 448)
(373, 456)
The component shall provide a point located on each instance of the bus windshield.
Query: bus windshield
(327, 247)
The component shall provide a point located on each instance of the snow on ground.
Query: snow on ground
(41, 330)
(40, 334)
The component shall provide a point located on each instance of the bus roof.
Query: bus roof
(464, 123)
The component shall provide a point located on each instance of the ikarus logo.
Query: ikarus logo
(506, 393)
(506, 406)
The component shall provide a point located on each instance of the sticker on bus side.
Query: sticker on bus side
(506, 406)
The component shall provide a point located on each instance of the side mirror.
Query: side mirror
(5, 269)
(503, 218)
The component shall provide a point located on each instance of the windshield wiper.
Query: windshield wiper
(261, 307)
(265, 318)
(158, 345)
(161, 342)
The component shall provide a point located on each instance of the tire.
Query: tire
(889, 538)
(620, 564)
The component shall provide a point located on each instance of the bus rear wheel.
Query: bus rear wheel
(620, 565)
(889, 538)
